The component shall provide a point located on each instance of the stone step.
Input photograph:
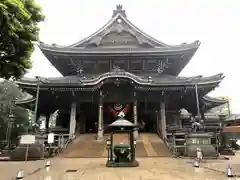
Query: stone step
(86, 146)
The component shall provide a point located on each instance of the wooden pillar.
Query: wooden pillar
(72, 125)
(132, 146)
(135, 115)
(100, 118)
(47, 122)
(159, 125)
(111, 147)
(163, 119)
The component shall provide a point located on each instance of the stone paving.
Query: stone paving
(91, 169)
(222, 166)
(8, 170)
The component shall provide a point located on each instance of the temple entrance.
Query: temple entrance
(87, 118)
(90, 118)
(146, 118)
(147, 123)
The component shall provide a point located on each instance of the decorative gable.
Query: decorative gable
(119, 39)
(119, 32)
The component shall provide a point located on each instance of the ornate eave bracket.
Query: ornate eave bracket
(162, 65)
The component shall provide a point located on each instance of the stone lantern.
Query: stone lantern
(121, 154)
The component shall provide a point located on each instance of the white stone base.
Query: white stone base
(135, 134)
(100, 135)
(72, 136)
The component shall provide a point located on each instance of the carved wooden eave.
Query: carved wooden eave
(82, 51)
(141, 82)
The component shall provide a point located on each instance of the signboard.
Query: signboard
(27, 139)
(51, 138)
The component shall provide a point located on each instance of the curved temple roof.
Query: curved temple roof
(143, 79)
(118, 38)
(116, 51)
(27, 98)
(118, 24)
(149, 81)
(211, 102)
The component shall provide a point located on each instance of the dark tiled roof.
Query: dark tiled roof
(25, 99)
(211, 102)
(118, 50)
(119, 23)
(141, 79)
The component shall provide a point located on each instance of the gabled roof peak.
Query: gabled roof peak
(119, 10)
(119, 32)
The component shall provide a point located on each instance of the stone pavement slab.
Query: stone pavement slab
(149, 169)
(9, 169)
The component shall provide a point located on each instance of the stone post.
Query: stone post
(163, 119)
(135, 116)
(180, 123)
(100, 118)
(43, 120)
(72, 125)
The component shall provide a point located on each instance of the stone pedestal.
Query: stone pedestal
(135, 134)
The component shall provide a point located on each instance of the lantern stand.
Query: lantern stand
(9, 131)
(121, 155)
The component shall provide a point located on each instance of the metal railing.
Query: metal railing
(60, 143)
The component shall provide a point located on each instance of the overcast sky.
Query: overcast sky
(216, 23)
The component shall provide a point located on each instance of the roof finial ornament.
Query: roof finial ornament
(119, 10)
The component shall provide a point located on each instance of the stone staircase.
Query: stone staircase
(150, 145)
(86, 146)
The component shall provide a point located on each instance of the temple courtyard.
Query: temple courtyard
(94, 168)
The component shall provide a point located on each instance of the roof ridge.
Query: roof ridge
(120, 14)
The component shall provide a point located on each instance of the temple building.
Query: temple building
(120, 68)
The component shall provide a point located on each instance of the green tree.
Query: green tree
(8, 93)
(18, 31)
